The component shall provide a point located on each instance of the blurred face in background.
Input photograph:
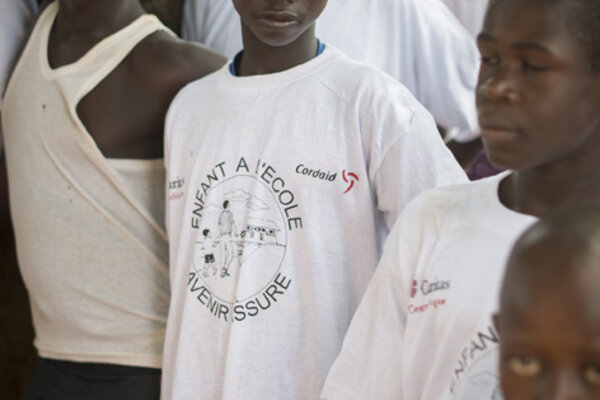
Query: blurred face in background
(538, 99)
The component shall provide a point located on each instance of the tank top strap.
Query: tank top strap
(80, 77)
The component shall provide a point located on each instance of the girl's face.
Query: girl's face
(538, 101)
(278, 22)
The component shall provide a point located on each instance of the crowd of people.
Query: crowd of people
(275, 205)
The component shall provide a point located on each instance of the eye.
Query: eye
(528, 65)
(525, 366)
(490, 60)
(592, 374)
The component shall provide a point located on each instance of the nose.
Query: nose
(496, 84)
(566, 385)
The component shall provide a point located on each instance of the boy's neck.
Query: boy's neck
(259, 58)
(536, 191)
(96, 19)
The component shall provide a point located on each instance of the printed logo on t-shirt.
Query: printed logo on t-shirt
(427, 287)
(175, 187)
(243, 214)
(349, 178)
(476, 374)
(414, 288)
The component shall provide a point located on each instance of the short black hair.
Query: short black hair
(563, 244)
(574, 229)
(583, 21)
(206, 232)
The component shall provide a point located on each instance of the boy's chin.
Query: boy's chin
(278, 37)
(278, 40)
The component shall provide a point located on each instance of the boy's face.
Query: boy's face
(549, 327)
(538, 101)
(278, 22)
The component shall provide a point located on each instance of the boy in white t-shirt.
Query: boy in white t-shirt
(302, 159)
(418, 42)
(549, 319)
(424, 328)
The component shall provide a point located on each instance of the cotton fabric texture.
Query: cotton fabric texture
(469, 12)
(293, 178)
(424, 327)
(92, 255)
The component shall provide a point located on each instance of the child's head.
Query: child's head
(278, 22)
(549, 319)
(538, 94)
(206, 233)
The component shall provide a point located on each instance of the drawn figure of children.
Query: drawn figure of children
(208, 245)
(228, 231)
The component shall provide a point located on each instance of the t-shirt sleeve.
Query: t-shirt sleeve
(193, 20)
(176, 121)
(415, 160)
(370, 363)
(447, 62)
(214, 23)
(168, 133)
(15, 19)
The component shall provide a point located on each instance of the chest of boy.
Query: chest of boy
(284, 192)
(308, 158)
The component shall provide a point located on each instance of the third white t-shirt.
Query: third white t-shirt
(424, 327)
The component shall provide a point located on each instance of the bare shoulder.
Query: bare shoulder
(169, 63)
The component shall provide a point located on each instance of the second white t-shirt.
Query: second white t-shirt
(296, 176)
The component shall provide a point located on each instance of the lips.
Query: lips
(497, 133)
(278, 19)
(495, 127)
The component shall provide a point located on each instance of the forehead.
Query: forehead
(525, 21)
(551, 296)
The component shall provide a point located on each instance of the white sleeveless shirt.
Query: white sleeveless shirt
(92, 252)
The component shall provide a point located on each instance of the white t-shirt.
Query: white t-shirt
(15, 19)
(418, 42)
(316, 162)
(469, 12)
(423, 329)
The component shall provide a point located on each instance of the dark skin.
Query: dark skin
(548, 321)
(539, 107)
(125, 112)
(277, 35)
(465, 152)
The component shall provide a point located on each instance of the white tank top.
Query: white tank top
(92, 251)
